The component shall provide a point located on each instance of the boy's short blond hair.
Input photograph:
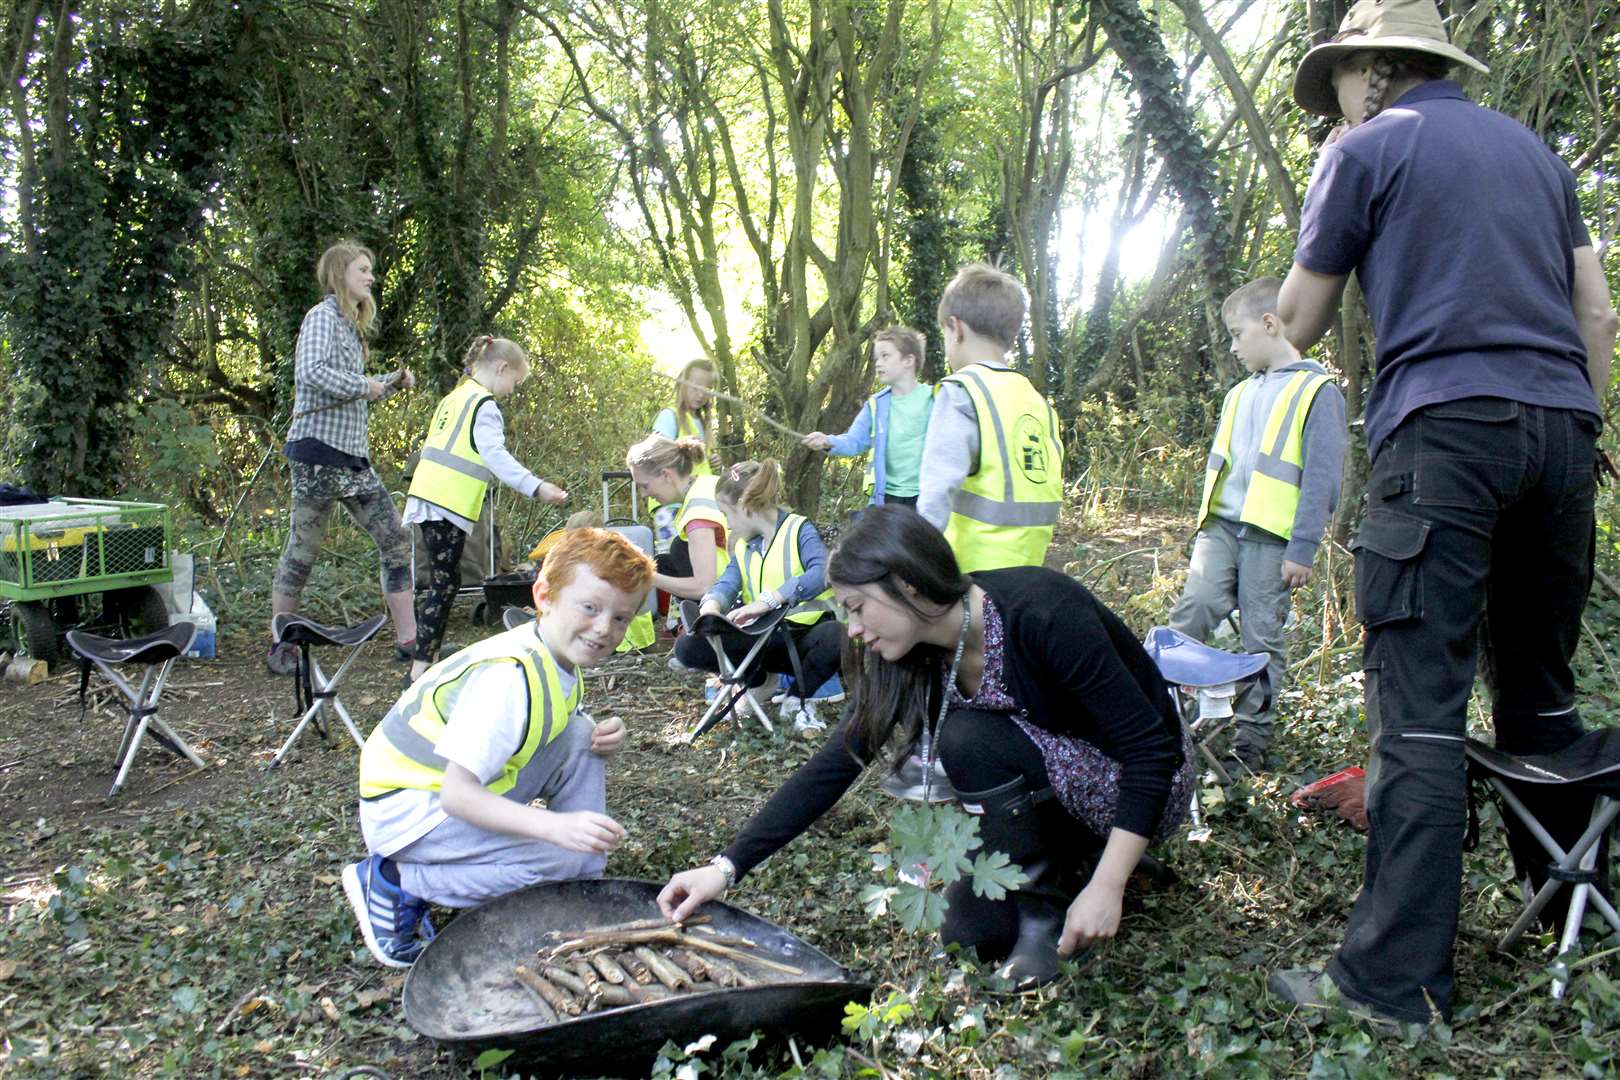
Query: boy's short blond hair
(991, 301)
(906, 342)
(1251, 301)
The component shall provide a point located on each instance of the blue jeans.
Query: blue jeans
(1478, 507)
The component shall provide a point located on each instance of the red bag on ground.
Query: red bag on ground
(1344, 793)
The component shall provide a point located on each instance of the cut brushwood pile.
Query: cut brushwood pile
(640, 962)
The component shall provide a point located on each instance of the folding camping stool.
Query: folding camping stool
(1588, 766)
(733, 677)
(312, 690)
(157, 653)
(1202, 681)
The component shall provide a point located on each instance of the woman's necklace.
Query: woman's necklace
(945, 700)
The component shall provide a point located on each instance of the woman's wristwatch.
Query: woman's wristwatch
(726, 867)
(774, 599)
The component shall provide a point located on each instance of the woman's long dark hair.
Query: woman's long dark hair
(887, 546)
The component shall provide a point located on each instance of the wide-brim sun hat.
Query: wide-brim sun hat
(1403, 25)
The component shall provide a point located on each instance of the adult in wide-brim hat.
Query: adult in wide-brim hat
(1401, 25)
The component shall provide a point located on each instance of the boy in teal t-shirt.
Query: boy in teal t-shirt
(893, 421)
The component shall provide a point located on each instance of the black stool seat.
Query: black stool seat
(1591, 762)
(719, 626)
(297, 630)
(1185, 661)
(146, 649)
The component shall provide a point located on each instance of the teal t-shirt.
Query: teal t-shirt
(908, 423)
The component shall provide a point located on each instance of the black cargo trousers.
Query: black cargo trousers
(1477, 507)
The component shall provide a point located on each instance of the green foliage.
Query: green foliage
(931, 846)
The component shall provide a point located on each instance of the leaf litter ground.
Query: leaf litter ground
(195, 925)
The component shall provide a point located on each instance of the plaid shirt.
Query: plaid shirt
(329, 367)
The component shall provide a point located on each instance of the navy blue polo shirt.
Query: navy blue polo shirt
(1459, 224)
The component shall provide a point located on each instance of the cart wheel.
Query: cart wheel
(140, 610)
(479, 612)
(39, 634)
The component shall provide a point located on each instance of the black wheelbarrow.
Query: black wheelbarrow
(463, 992)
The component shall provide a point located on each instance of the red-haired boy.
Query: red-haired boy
(447, 778)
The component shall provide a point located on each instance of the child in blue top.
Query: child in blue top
(893, 421)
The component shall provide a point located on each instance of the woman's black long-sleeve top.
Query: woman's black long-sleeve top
(1074, 668)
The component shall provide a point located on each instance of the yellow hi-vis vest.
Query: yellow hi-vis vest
(689, 430)
(701, 502)
(639, 634)
(780, 561)
(1005, 512)
(451, 473)
(401, 751)
(1273, 494)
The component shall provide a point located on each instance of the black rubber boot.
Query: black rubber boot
(1010, 823)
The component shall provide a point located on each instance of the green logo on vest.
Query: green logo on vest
(1029, 448)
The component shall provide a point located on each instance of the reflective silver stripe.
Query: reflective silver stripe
(991, 512)
(1272, 464)
(1216, 463)
(461, 421)
(519, 789)
(1001, 436)
(707, 504)
(789, 543)
(1278, 469)
(456, 463)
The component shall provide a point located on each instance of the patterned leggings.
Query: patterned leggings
(445, 542)
(316, 489)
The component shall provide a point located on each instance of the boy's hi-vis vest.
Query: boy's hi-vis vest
(1273, 494)
(451, 473)
(1004, 514)
(780, 561)
(400, 753)
(700, 502)
(926, 389)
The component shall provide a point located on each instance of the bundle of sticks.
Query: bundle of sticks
(639, 962)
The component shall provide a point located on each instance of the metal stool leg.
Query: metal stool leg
(323, 691)
(143, 716)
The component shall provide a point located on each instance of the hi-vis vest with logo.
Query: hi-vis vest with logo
(780, 561)
(1004, 514)
(700, 502)
(451, 473)
(926, 389)
(1273, 493)
(401, 752)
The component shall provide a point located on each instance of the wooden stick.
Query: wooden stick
(738, 954)
(726, 973)
(565, 979)
(610, 996)
(555, 1000)
(609, 969)
(667, 973)
(691, 964)
(755, 409)
(550, 1000)
(637, 970)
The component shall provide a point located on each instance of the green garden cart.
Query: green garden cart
(56, 554)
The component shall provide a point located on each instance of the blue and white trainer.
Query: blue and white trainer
(393, 922)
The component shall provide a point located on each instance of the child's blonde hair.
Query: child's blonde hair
(1251, 301)
(655, 453)
(706, 411)
(329, 271)
(486, 351)
(753, 486)
(990, 300)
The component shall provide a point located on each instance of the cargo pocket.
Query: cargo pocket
(1388, 577)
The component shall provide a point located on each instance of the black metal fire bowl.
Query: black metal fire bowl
(462, 993)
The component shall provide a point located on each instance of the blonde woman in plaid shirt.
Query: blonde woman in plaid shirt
(329, 450)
